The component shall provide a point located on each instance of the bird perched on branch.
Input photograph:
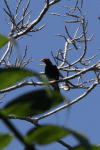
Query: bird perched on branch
(52, 72)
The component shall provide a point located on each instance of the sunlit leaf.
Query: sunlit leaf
(49, 133)
(3, 40)
(11, 76)
(46, 134)
(32, 103)
(5, 139)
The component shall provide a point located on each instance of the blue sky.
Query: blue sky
(84, 115)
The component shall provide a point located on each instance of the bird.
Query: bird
(51, 72)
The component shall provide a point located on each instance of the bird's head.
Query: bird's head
(46, 61)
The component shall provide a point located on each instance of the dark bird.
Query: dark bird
(51, 71)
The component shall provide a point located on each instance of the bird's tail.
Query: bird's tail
(56, 87)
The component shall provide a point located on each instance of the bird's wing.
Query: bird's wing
(56, 72)
(52, 72)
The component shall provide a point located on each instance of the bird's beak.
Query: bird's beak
(42, 60)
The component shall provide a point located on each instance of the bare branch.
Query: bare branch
(23, 55)
(50, 82)
(71, 103)
(35, 30)
(31, 25)
(5, 54)
(77, 30)
(23, 18)
(58, 14)
(18, 6)
(7, 13)
(26, 8)
(7, 6)
(72, 21)
(65, 54)
(2, 97)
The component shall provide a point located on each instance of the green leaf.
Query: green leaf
(32, 103)
(45, 80)
(79, 148)
(5, 39)
(5, 139)
(95, 147)
(11, 76)
(82, 138)
(46, 134)
(49, 133)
